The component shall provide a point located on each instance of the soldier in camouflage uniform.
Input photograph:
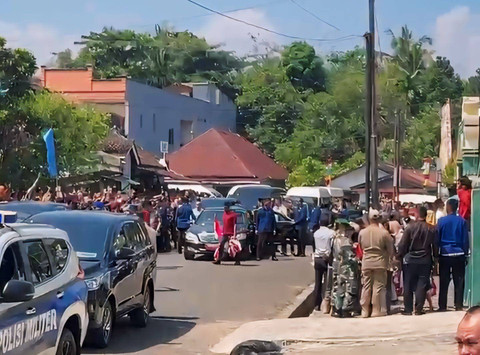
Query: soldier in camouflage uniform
(345, 288)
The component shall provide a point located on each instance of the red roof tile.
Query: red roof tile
(223, 155)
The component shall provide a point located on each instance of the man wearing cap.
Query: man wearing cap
(378, 249)
(266, 226)
(229, 220)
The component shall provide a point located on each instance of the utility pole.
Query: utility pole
(368, 127)
(396, 158)
(371, 113)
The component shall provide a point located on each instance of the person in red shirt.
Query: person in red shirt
(229, 222)
(464, 192)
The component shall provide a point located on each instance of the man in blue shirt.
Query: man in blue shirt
(453, 244)
(184, 219)
(301, 225)
(266, 225)
(314, 222)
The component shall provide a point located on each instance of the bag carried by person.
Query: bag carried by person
(234, 247)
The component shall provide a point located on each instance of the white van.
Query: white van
(312, 195)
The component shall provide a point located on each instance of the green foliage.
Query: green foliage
(269, 104)
(303, 67)
(78, 130)
(442, 82)
(472, 85)
(161, 59)
(422, 137)
(411, 59)
(311, 171)
(16, 68)
(449, 173)
(332, 123)
(25, 115)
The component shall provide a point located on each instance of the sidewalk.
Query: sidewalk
(431, 333)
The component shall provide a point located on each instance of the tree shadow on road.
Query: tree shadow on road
(128, 339)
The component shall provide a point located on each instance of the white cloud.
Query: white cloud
(457, 36)
(238, 37)
(40, 39)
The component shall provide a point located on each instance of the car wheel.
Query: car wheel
(101, 336)
(140, 316)
(188, 255)
(67, 344)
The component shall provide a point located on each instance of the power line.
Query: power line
(314, 15)
(272, 31)
(227, 11)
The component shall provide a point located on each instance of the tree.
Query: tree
(303, 67)
(25, 115)
(16, 68)
(472, 85)
(422, 137)
(161, 59)
(411, 58)
(331, 123)
(78, 132)
(442, 82)
(268, 104)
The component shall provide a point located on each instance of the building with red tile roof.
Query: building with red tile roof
(223, 158)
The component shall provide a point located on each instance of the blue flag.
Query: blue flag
(51, 159)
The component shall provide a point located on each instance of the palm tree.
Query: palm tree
(412, 59)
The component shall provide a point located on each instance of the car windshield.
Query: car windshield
(215, 202)
(248, 196)
(88, 238)
(207, 218)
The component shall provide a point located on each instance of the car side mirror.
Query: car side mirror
(18, 291)
(125, 253)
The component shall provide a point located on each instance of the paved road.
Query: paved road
(198, 303)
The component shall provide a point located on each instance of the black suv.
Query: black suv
(119, 261)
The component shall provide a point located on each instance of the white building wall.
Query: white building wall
(152, 112)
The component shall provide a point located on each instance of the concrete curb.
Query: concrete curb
(302, 305)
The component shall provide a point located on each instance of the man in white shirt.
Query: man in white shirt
(323, 238)
(279, 207)
(198, 209)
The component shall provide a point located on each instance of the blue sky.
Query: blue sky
(50, 25)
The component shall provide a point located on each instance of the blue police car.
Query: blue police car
(42, 292)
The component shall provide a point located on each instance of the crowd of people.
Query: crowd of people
(362, 267)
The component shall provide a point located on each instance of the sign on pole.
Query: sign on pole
(164, 147)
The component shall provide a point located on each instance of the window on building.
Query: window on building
(154, 122)
(217, 96)
(141, 121)
(170, 136)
